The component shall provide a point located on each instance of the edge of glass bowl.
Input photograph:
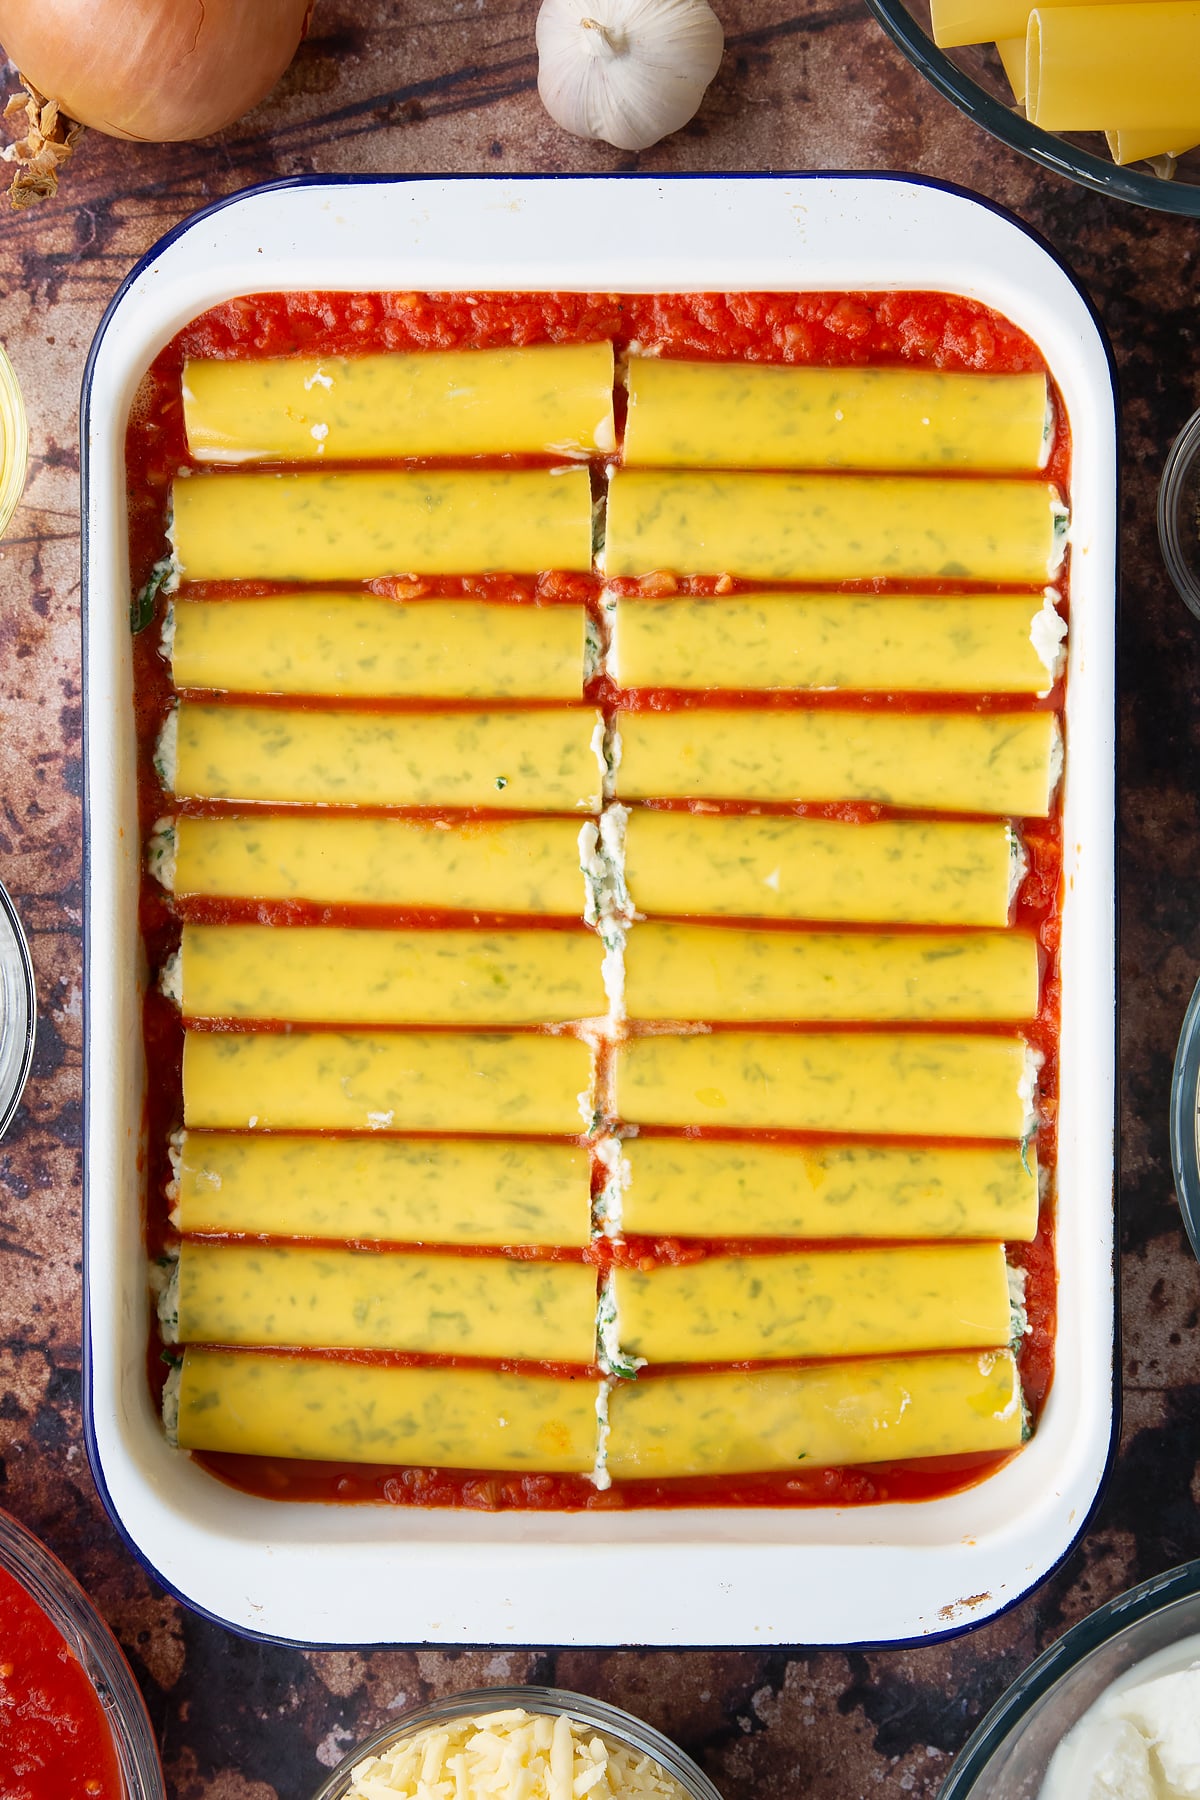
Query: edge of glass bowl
(1002, 122)
(1185, 1120)
(1181, 459)
(51, 1584)
(612, 1720)
(26, 1020)
(1074, 1647)
(14, 432)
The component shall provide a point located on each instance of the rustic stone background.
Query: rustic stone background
(382, 86)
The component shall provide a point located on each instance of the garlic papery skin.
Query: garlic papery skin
(627, 71)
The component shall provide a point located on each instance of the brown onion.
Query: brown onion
(157, 70)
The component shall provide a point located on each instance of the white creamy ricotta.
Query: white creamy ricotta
(160, 853)
(1048, 634)
(1141, 1739)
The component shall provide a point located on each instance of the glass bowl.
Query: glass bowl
(26, 1559)
(1007, 1757)
(14, 441)
(610, 1721)
(973, 78)
(18, 1011)
(1185, 1119)
(1179, 514)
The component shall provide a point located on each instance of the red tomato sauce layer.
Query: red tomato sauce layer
(55, 1743)
(920, 330)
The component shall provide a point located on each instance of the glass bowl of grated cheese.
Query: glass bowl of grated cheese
(517, 1743)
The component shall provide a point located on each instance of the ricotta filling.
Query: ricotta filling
(1018, 1314)
(599, 1475)
(1048, 634)
(612, 1358)
(608, 1206)
(1018, 865)
(160, 853)
(166, 751)
(170, 977)
(164, 1286)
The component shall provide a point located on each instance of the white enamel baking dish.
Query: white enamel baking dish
(320, 1574)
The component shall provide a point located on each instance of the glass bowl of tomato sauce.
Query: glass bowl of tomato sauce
(73, 1724)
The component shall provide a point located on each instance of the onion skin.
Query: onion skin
(160, 71)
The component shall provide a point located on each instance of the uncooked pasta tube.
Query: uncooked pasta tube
(401, 1190)
(394, 1081)
(712, 1188)
(1133, 65)
(832, 527)
(859, 1302)
(548, 399)
(361, 647)
(339, 1411)
(738, 415)
(349, 527)
(863, 1411)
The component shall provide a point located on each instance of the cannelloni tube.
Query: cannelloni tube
(327, 975)
(1096, 67)
(858, 1302)
(891, 871)
(546, 399)
(361, 647)
(916, 1084)
(949, 762)
(537, 761)
(1011, 51)
(879, 1410)
(399, 1190)
(294, 1296)
(832, 527)
(1137, 146)
(393, 1081)
(705, 1188)
(502, 865)
(1003, 645)
(981, 21)
(348, 527)
(722, 972)
(347, 1412)
(712, 415)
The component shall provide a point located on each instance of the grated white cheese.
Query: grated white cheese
(511, 1756)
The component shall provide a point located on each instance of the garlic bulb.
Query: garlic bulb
(627, 71)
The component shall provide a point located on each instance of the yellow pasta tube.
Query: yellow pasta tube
(710, 1188)
(876, 1410)
(396, 1081)
(907, 871)
(1005, 763)
(502, 865)
(926, 1084)
(326, 975)
(323, 1409)
(299, 1297)
(791, 641)
(545, 399)
(398, 1190)
(1011, 51)
(832, 527)
(347, 527)
(859, 1302)
(548, 760)
(361, 647)
(1131, 64)
(737, 415)
(981, 21)
(1139, 146)
(722, 972)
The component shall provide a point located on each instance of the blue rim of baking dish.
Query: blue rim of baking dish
(17, 986)
(146, 262)
(1054, 153)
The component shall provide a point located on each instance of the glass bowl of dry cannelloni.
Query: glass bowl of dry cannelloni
(600, 1008)
(1100, 93)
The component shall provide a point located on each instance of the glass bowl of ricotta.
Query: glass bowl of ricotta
(1113, 1708)
(517, 1743)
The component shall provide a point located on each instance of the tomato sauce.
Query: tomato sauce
(922, 330)
(55, 1742)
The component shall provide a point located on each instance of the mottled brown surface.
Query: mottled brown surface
(382, 87)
